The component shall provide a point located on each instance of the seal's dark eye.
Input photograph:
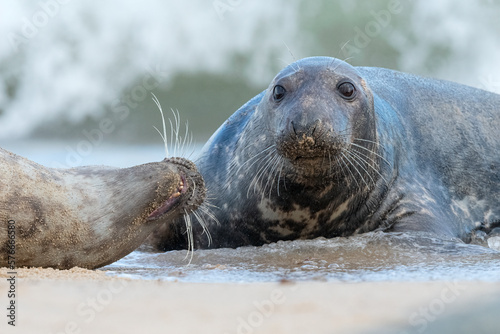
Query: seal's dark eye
(278, 93)
(347, 90)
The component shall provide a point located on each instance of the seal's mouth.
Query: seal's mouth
(172, 202)
(302, 158)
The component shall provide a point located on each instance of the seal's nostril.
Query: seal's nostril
(293, 127)
(302, 127)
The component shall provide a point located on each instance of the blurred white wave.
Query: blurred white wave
(70, 58)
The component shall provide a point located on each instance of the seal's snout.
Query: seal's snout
(304, 140)
(189, 193)
(306, 137)
(307, 129)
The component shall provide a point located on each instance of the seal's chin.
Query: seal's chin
(172, 202)
(310, 167)
(308, 164)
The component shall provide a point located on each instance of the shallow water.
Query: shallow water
(375, 256)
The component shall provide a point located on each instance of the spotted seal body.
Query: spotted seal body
(333, 150)
(88, 216)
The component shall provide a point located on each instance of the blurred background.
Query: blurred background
(76, 77)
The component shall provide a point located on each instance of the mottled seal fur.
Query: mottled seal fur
(331, 150)
(88, 216)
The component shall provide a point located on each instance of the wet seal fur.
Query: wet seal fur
(89, 216)
(331, 150)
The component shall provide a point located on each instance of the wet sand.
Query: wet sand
(84, 301)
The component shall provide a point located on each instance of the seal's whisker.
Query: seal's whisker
(269, 173)
(294, 59)
(175, 129)
(360, 162)
(273, 164)
(341, 167)
(334, 59)
(186, 139)
(289, 64)
(367, 141)
(353, 163)
(271, 179)
(233, 164)
(290, 51)
(208, 204)
(340, 63)
(194, 187)
(254, 157)
(370, 141)
(282, 161)
(164, 140)
(255, 177)
(257, 159)
(179, 143)
(179, 137)
(172, 132)
(350, 175)
(266, 164)
(354, 166)
(189, 233)
(338, 54)
(371, 151)
(244, 148)
(348, 58)
(252, 144)
(284, 62)
(279, 167)
(209, 213)
(191, 152)
(272, 174)
(164, 136)
(205, 210)
(203, 225)
(276, 172)
(258, 178)
(363, 157)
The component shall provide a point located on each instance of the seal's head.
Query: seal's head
(317, 109)
(91, 216)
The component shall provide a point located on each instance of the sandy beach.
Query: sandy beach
(84, 301)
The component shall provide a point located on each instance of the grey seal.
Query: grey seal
(88, 216)
(331, 150)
